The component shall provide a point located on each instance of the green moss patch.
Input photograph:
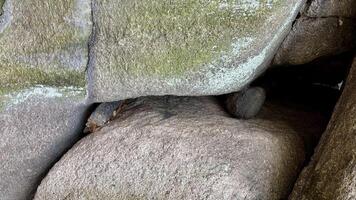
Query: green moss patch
(40, 30)
(169, 38)
(13, 78)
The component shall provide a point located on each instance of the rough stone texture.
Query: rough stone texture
(332, 172)
(246, 104)
(102, 115)
(331, 8)
(44, 42)
(190, 47)
(325, 28)
(183, 148)
(37, 126)
(312, 38)
(43, 58)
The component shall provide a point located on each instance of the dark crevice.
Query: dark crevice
(314, 88)
(88, 112)
(70, 145)
(327, 17)
(287, 35)
(91, 42)
(306, 7)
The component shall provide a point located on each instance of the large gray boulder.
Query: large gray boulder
(182, 148)
(43, 58)
(190, 47)
(332, 171)
(44, 42)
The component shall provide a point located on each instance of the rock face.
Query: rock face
(332, 172)
(325, 28)
(41, 48)
(43, 58)
(37, 126)
(331, 8)
(191, 47)
(181, 148)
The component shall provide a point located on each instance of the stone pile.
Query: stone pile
(60, 59)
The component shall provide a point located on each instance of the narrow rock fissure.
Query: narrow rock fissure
(91, 42)
(328, 111)
(80, 135)
(306, 7)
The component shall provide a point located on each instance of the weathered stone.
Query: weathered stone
(190, 47)
(332, 171)
(43, 59)
(331, 8)
(102, 115)
(182, 148)
(44, 42)
(312, 38)
(36, 126)
(247, 103)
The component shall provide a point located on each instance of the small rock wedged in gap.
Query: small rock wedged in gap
(247, 103)
(102, 115)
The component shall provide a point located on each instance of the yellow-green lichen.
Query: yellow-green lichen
(168, 38)
(46, 44)
(14, 78)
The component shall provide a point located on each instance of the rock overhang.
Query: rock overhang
(148, 48)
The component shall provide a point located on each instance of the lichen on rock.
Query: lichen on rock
(170, 38)
(43, 43)
(185, 48)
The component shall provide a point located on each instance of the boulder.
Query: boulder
(190, 47)
(331, 8)
(44, 42)
(332, 171)
(183, 148)
(313, 38)
(37, 126)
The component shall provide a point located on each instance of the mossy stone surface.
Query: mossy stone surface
(157, 47)
(43, 43)
(168, 38)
